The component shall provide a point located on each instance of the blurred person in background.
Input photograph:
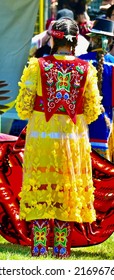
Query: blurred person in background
(39, 41)
(110, 13)
(110, 54)
(44, 46)
(101, 37)
(83, 21)
(106, 5)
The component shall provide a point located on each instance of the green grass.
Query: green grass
(103, 251)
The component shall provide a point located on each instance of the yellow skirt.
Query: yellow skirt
(57, 171)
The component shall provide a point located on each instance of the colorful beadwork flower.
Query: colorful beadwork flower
(59, 95)
(63, 81)
(56, 250)
(43, 250)
(48, 67)
(76, 84)
(61, 236)
(63, 251)
(35, 250)
(80, 69)
(40, 236)
(50, 81)
(66, 96)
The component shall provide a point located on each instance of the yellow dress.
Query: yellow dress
(57, 171)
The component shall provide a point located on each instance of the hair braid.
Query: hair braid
(100, 57)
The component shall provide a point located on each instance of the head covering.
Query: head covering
(102, 27)
(65, 13)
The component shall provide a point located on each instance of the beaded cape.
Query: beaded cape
(62, 87)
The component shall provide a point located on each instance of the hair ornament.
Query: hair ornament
(57, 34)
(69, 37)
(60, 35)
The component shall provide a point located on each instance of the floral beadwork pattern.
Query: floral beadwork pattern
(63, 84)
(39, 236)
(40, 232)
(62, 238)
(27, 92)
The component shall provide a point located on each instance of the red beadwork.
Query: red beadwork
(62, 87)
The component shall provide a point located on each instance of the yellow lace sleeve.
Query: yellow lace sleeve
(27, 89)
(92, 104)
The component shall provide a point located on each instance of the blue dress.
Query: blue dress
(98, 130)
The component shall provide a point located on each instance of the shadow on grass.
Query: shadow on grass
(84, 255)
(14, 251)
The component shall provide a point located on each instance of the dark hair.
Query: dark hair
(69, 27)
(109, 11)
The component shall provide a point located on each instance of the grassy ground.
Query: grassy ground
(103, 251)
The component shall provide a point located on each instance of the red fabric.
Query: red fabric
(51, 86)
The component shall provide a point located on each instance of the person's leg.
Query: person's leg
(40, 237)
(62, 238)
